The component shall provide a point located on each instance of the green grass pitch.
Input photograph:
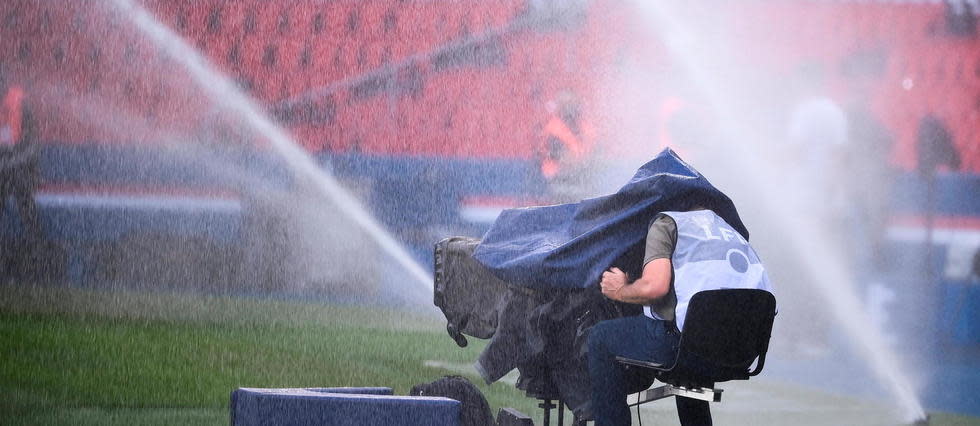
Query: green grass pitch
(80, 357)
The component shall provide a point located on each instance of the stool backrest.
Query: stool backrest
(724, 333)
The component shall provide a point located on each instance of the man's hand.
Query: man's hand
(652, 285)
(613, 280)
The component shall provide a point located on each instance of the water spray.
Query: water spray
(224, 93)
(686, 49)
(924, 421)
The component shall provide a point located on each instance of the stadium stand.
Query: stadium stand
(412, 80)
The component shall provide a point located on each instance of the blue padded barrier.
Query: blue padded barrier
(362, 391)
(339, 407)
(910, 192)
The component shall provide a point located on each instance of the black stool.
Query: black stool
(725, 333)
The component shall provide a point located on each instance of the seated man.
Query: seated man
(686, 252)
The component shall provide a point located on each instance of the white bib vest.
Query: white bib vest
(710, 255)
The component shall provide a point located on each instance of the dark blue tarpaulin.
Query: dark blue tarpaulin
(570, 245)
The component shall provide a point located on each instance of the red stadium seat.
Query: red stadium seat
(194, 19)
(419, 26)
(373, 120)
(373, 45)
(327, 24)
(268, 17)
(221, 46)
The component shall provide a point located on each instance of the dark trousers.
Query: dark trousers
(20, 183)
(639, 338)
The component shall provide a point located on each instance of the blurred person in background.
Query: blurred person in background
(975, 273)
(686, 127)
(864, 159)
(935, 147)
(814, 136)
(816, 133)
(19, 152)
(567, 153)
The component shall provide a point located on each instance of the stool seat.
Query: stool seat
(726, 333)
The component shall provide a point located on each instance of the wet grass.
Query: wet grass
(88, 357)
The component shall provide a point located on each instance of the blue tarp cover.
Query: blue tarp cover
(568, 246)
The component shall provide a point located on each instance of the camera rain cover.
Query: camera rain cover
(570, 245)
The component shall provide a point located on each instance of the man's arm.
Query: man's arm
(654, 284)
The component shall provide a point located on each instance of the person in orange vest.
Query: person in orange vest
(568, 149)
(19, 171)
